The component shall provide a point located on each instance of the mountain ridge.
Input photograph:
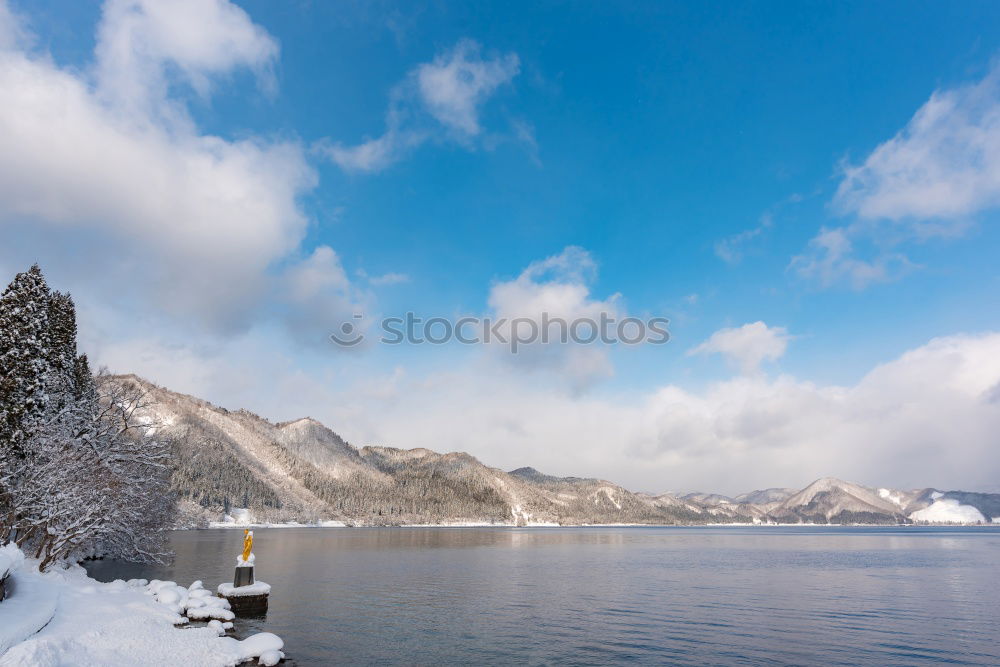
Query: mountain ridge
(303, 471)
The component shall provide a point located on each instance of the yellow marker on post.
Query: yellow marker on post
(244, 562)
(247, 544)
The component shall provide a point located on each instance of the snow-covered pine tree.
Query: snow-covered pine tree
(25, 359)
(85, 393)
(79, 474)
(61, 377)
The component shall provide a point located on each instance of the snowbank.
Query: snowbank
(10, 559)
(228, 523)
(31, 603)
(239, 516)
(65, 617)
(455, 524)
(948, 510)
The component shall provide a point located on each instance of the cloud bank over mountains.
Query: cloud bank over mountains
(933, 412)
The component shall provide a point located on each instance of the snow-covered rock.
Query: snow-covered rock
(270, 658)
(260, 644)
(213, 612)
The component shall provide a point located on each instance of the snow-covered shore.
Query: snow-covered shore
(288, 524)
(946, 520)
(66, 618)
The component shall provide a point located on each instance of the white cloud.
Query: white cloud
(319, 273)
(195, 219)
(831, 259)
(374, 154)
(944, 164)
(747, 346)
(731, 248)
(138, 39)
(557, 287)
(928, 181)
(456, 84)
(440, 100)
(12, 31)
(320, 299)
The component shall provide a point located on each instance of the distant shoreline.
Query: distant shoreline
(340, 524)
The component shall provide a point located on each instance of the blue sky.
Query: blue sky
(660, 130)
(714, 162)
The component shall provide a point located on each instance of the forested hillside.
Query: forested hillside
(303, 471)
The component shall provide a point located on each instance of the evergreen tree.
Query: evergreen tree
(62, 360)
(79, 475)
(84, 387)
(25, 359)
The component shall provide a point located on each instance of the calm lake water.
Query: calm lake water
(597, 596)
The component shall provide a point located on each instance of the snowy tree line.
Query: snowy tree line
(78, 475)
(207, 473)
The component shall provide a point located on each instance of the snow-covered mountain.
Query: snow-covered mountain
(708, 498)
(238, 464)
(764, 496)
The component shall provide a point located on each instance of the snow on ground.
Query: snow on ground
(10, 558)
(948, 510)
(610, 494)
(456, 524)
(891, 496)
(194, 601)
(31, 603)
(66, 618)
(242, 518)
(238, 516)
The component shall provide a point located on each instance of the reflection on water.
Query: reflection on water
(593, 596)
